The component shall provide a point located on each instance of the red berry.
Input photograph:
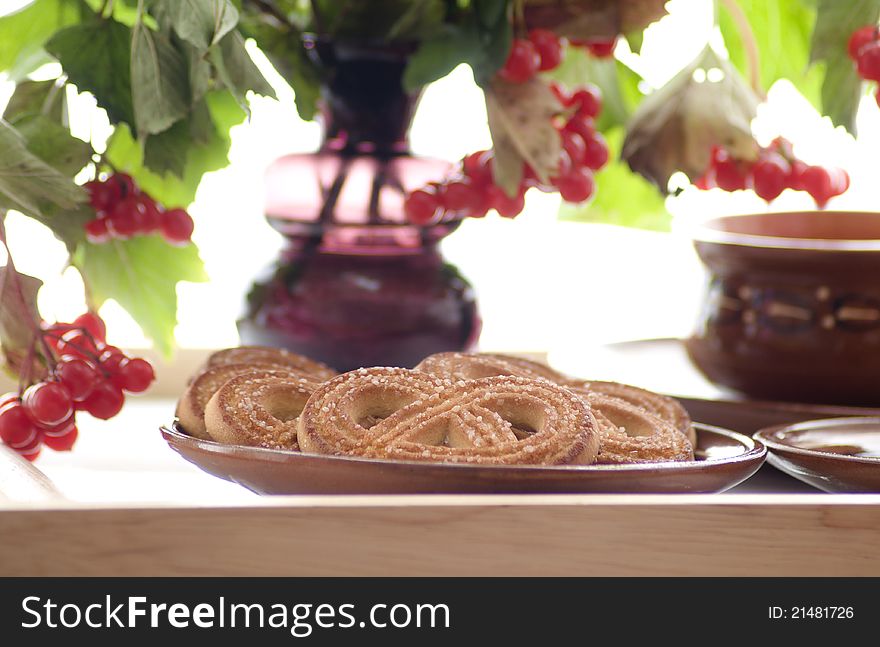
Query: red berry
(565, 165)
(420, 207)
(31, 450)
(793, 181)
(868, 63)
(122, 221)
(728, 174)
(77, 375)
(562, 95)
(16, 427)
(770, 176)
(505, 205)
(125, 185)
(136, 375)
(480, 207)
(76, 342)
(601, 48)
(458, 196)
(549, 48)
(177, 226)
(816, 180)
(111, 359)
(47, 403)
(596, 155)
(839, 181)
(575, 146)
(522, 62)
(97, 232)
(576, 186)
(92, 324)
(859, 38)
(61, 440)
(583, 126)
(478, 167)
(588, 101)
(105, 400)
(705, 181)
(151, 216)
(101, 196)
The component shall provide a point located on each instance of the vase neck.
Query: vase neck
(365, 108)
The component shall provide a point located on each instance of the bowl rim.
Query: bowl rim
(753, 449)
(703, 232)
(766, 436)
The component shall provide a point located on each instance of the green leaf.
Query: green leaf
(622, 197)
(23, 33)
(237, 70)
(283, 46)
(675, 127)
(367, 21)
(159, 84)
(53, 143)
(29, 184)
(781, 30)
(35, 98)
(521, 122)
(418, 19)
(438, 56)
(19, 317)
(141, 275)
(96, 58)
(200, 22)
(124, 152)
(618, 83)
(483, 46)
(166, 152)
(835, 22)
(68, 225)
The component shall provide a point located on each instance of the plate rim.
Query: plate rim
(765, 437)
(757, 452)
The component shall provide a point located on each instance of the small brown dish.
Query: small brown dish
(792, 307)
(724, 459)
(834, 455)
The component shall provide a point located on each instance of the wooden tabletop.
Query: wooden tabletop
(123, 503)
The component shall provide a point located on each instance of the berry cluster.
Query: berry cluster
(123, 211)
(86, 375)
(775, 169)
(542, 51)
(864, 49)
(471, 191)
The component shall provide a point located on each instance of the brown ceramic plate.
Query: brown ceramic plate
(834, 455)
(724, 459)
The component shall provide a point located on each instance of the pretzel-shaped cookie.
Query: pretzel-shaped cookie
(411, 415)
(662, 406)
(259, 408)
(629, 434)
(472, 366)
(463, 366)
(266, 356)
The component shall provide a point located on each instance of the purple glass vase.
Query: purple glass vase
(356, 284)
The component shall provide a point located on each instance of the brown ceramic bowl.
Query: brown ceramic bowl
(724, 459)
(792, 311)
(834, 455)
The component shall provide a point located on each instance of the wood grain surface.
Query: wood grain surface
(590, 535)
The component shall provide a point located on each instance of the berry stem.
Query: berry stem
(750, 45)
